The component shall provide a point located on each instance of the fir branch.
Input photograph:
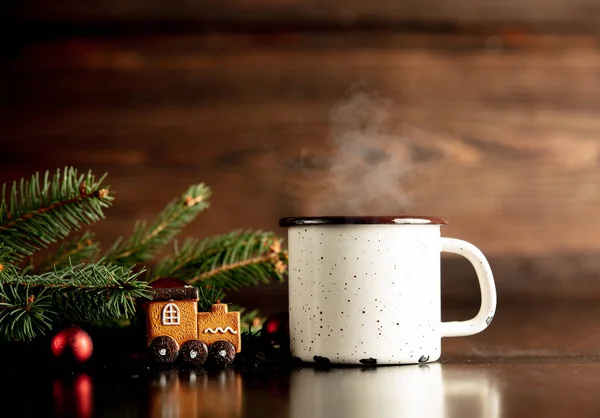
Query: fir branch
(147, 240)
(77, 250)
(7, 269)
(230, 261)
(24, 314)
(208, 297)
(37, 213)
(21, 313)
(249, 319)
(31, 305)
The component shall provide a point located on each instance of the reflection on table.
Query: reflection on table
(432, 390)
(73, 397)
(408, 391)
(165, 393)
(179, 394)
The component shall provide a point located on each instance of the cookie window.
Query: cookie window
(170, 314)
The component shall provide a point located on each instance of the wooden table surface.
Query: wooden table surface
(533, 361)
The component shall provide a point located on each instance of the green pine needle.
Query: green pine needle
(230, 261)
(75, 251)
(31, 305)
(38, 212)
(208, 297)
(7, 270)
(147, 240)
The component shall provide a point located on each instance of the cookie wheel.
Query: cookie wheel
(163, 350)
(193, 353)
(221, 353)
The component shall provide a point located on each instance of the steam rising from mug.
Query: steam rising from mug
(369, 168)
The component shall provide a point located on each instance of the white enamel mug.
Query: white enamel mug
(367, 290)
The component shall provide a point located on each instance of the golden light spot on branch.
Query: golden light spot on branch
(1, 268)
(102, 193)
(280, 267)
(276, 246)
(191, 201)
(83, 189)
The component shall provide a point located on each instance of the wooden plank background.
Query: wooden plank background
(547, 14)
(496, 128)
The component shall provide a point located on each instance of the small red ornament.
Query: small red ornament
(167, 282)
(72, 343)
(276, 330)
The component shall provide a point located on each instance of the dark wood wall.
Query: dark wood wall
(493, 119)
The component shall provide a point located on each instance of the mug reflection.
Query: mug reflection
(470, 393)
(431, 390)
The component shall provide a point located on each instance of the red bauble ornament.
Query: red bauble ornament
(167, 282)
(72, 343)
(276, 330)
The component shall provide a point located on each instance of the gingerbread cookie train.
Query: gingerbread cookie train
(176, 331)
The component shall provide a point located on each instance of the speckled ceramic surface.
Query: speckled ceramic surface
(371, 294)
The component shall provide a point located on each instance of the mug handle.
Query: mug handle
(486, 284)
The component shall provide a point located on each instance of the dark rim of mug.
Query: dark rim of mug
(362, 220)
